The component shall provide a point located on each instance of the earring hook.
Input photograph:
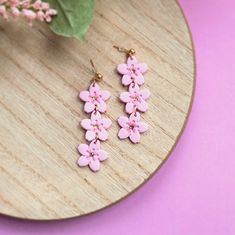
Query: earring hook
(94, 70)
(98, 76)
(129, 52)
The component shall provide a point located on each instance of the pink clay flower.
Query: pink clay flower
(31, 10)
(131, 127)
(135, 99)
(96, 127)
(132, 71)
(95, 98)
(91, 155)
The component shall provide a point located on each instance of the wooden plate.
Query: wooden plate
(40, 77)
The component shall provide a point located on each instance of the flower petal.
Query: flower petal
(145, 93)
(94, 145)
(130, 107)
(122, 68)
(143, 127)
(86, 124)
(84, 95)
(102, 106)
(123, 121)
(94, 87)
(123, 133)
(103, 155)
(139, 78)
(126, 80)
(135, 117)
(132, 61)
(95, 116)
(106, 122)
(103, 135)
(89, 107)
(94, 165)
(83, 148)
(125, 97)
(143, 67)
(90, 135)
(135, 137)
(134, 88)
(83, 161)
(142, 106)
(105, 95)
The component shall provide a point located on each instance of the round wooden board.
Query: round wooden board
(40, 77)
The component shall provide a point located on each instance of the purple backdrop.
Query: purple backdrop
(194, 192)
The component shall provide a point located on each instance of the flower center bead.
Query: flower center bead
(132, 125)
(93, 155)
(97, 126)
(95, 97)
(136, 98)
(133, 70)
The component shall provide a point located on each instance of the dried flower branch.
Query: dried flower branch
(31, 10)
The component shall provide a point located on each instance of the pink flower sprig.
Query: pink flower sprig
(31, 10)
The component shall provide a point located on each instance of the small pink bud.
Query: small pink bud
(13, 3)
(37, 4)
(25, 3)
(15, 11)
(40, 16)
(30, 15)
(52, 12)
(48, 18)
(45, 6)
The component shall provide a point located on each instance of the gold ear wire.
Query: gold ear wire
(129, 52)
(98, 76)
(94, 70)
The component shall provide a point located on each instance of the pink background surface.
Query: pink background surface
(194, 192)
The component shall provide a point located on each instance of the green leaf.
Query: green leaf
(73, 18)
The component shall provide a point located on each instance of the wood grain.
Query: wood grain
(40, 77)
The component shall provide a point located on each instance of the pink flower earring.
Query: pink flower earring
(134, 99)
(96, 127)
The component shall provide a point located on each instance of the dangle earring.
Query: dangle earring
(134, 99)
(95, 99)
